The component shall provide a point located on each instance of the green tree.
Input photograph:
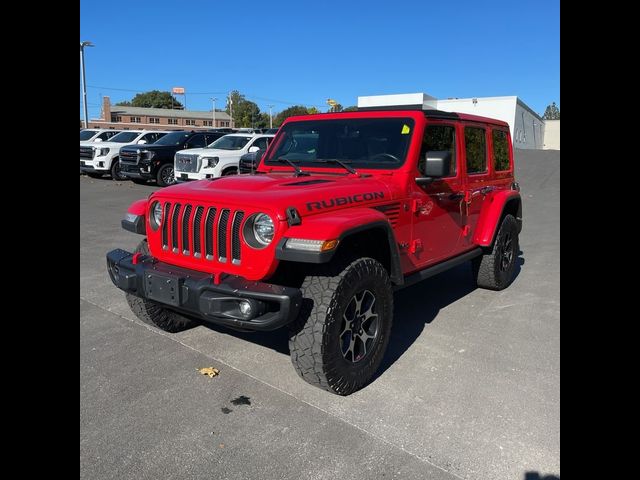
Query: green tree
(312, 110)
(352, 108)
(153, 99)
(552, 112)
(245, 112)
(290, 112)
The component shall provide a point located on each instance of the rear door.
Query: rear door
(478, 176)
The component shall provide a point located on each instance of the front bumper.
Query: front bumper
(191, 176)
(92, 166)
(143, 171)
(195, 293)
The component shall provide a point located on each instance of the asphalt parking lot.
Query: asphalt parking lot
(469, 387)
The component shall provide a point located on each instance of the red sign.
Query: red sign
(178, 90)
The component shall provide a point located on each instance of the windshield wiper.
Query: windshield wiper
(347, 167)
(299, 173)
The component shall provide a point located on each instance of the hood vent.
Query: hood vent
(306, 182)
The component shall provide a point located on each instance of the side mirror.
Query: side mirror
(141, 142)
(437, 164)
(97, 140)
(253, 149)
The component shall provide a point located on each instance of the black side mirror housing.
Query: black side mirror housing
(437, 164)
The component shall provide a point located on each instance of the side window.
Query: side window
(475, 144)
(209, 138)
(261, 143)
(439, 137)
(197, 141)
(150, 137)
(500, 150)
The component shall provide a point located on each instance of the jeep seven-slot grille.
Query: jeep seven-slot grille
(182, 231)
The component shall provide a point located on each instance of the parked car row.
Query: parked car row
(168, 156)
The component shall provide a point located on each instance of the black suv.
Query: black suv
(155, 162)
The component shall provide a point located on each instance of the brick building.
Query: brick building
(135, 118)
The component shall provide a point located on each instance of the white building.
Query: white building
(527, 127)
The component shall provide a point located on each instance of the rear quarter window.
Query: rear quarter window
(500, 143)
(475, 143)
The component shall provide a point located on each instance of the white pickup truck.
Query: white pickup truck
(219, 158)
(96, 159)
(97, 134)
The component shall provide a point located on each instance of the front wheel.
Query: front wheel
(230, 171)
(495, 269)
(165, 175)
(115, 171)
(153, 313)
(338, 341)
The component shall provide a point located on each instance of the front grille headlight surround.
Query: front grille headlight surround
(155, 217)
(100, 152)
(259, 230)
(209, 162)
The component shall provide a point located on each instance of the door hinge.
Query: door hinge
(416, 246)
(415, 205)
(465, 230)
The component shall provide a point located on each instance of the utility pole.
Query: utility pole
(84, 83)
(213, 99)
(270, 118)
(231, 109)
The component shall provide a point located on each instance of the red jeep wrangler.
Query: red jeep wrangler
(343, 209)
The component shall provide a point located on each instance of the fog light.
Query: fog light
(245, 308)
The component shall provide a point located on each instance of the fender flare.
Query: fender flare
(491, 214)
(380, 222)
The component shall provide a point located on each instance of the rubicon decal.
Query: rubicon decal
(338, 201)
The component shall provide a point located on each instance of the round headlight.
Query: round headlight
(263, 229)
(156, 215)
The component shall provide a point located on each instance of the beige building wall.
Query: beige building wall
(552, 134)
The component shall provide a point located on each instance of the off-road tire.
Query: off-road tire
(153, 313)
(160, 174)
(314, 339)
(116, 175)
(94, 175)
(494, 270)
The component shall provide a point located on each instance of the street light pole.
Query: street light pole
(231, 109)
(84, 83)
(270, 118)
(214, 111)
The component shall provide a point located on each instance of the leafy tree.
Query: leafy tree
(312, 110)
(153, 99)
(336, 108)
(552, 112)
(245, 112)
(290, 112)
(352, 108)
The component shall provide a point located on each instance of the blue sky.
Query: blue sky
(297, 52)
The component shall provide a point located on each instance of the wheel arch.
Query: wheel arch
(493, 211)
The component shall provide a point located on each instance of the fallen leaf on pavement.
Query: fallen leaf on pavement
(210, 371)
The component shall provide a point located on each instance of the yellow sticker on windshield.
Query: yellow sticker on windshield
(405, 129)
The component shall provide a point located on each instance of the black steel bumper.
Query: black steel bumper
(194, 293)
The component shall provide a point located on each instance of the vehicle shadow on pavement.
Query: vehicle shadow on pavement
(419, 304)
(415, 307)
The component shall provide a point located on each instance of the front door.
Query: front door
(437, 207)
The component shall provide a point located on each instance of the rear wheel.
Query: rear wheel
(165, 175)
(340, 336)
(115, 170)
(154, 313)
(494, 270)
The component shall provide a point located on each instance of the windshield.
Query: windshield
(174, 138)
(86, 134)
(124, 137)
(359, 142)
(229, 142)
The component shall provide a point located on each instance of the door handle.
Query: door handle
(456, 196)
(485, 190)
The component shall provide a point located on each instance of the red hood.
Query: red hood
(276, 192)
